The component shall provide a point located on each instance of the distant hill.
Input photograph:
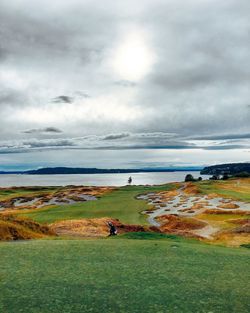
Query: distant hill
(231, 169)
(79, 170)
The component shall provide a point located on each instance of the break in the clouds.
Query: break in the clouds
(157, 75)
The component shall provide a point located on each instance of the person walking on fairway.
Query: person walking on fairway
(130, 180)
(112, 229)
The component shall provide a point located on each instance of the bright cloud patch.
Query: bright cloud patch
(133, 58)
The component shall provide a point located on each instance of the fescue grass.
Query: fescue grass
(222, 217)
(18, 228)
(229, 188)
(120, 203)
(123, 275)
(9, 193)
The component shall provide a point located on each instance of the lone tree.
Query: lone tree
(189, 177)
(130, 180)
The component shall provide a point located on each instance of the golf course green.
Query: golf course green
(120, 203)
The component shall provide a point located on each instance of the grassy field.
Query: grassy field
(120, 204)
(123, 275)
(134, 272)
(238, 189)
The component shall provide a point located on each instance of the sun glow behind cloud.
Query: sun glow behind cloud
(133, 58)
(124, 67)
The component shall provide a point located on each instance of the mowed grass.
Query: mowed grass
(238, 189)
(121, 204)
(122, 275)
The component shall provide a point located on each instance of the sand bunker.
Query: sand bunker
(63, 196)
(183, 204)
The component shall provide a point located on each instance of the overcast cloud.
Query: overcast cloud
(123, 76)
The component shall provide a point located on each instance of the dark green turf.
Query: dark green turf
(123, 275)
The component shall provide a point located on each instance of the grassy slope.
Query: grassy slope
(229, 188)
(14, 228)
(120, 204)
(8, 193)
(122, 275)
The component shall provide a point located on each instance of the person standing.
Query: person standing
(112, 229)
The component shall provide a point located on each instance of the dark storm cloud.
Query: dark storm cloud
(129, 141)
(202, 72)
(49, 143)
(173, 146)
(116, 136)
(52, 130)
(224, 147)
(223, 137)
(208, 46)
(42, 130)
(63, 99)
(33, 144)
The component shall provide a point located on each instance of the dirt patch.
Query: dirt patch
(229, 206)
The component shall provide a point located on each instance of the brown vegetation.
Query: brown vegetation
(179, 225)
(219, 211)
(95, 227)
(236, 236)
(243, 226)
(19, 228)
(191, 189)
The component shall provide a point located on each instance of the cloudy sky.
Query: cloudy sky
(124, 83)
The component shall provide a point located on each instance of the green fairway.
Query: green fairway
(122, 275)
(120, 204)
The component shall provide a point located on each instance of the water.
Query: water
(9, 180)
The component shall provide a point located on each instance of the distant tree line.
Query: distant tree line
(224, 176)
(190, 178)
(242, 169)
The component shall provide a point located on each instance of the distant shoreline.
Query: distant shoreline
(82, 171)
(108, 179)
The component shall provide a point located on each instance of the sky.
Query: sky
(149, 83)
